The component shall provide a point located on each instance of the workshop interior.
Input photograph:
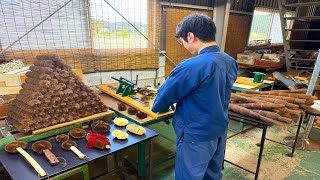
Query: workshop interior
(79, 78)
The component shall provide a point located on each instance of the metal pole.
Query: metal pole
(309, 126)
(284, 34)
(150, 159)
(314, 76)
(302, 117)
(312, 84)
(263, 138)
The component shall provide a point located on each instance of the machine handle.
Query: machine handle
(33, 162)
(127, 80)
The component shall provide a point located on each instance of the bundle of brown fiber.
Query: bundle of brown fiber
(276, 106)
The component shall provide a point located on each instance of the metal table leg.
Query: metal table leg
(84, 169)
(263, 137)
(86, 172)
(150, 159)
(297, 135)
(141, 159)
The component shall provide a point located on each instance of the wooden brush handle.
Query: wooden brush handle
(77, 152)
(51, 157)
(33, 162)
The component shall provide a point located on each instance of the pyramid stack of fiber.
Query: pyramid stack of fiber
(52, 94)
(276, 107)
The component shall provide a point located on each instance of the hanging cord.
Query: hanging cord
(140, 32)
(65, 164)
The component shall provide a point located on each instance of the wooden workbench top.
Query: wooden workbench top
(113, 104)
(131, 102)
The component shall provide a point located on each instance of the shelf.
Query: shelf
(302, 40)
(298, 67)
(303, 50)
(302, 29)
(301, 59)
(246, 66)
(303, 4)
(303, 18)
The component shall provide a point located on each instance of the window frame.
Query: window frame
(151, 34)
(273, 11)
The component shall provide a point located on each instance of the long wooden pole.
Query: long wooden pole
(81, 120)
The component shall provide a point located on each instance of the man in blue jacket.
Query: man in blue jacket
(201, 87)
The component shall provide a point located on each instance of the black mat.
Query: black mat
(19, 168)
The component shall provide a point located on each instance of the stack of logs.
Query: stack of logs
(276, 107)
(52, 94)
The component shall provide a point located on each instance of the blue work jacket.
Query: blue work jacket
(201, 87)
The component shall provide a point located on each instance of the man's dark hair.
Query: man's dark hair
(200, 25)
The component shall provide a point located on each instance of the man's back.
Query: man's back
(205, 83)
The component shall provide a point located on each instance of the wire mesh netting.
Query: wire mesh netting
(88, 34)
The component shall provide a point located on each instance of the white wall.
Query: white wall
(145, 77)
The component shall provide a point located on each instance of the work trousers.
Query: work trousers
(199, 160)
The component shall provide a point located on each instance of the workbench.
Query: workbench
(265, 85)
(112, 99)
(254, 123)
(264, 126)
(19, 169)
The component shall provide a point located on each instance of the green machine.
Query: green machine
(126, 87)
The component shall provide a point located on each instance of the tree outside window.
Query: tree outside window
(111, 31)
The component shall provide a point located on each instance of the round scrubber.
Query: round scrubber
(41, 145)
(77, 133)
(132, 111)
(100, 127)
(62, 138)
(122, 107)
(141, 115)
(12, 147)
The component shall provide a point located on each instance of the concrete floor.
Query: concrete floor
(242, 150)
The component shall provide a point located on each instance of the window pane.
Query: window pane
(260, 27)
(111, 31)
(276, 32)
(66, 29)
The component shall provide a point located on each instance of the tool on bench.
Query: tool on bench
(126, 87)
(70, 145)
(19, 146)
(45, 147)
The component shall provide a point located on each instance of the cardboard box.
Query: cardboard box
(244, 59)
(271, 57)
(10, 84)
(248, 59)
